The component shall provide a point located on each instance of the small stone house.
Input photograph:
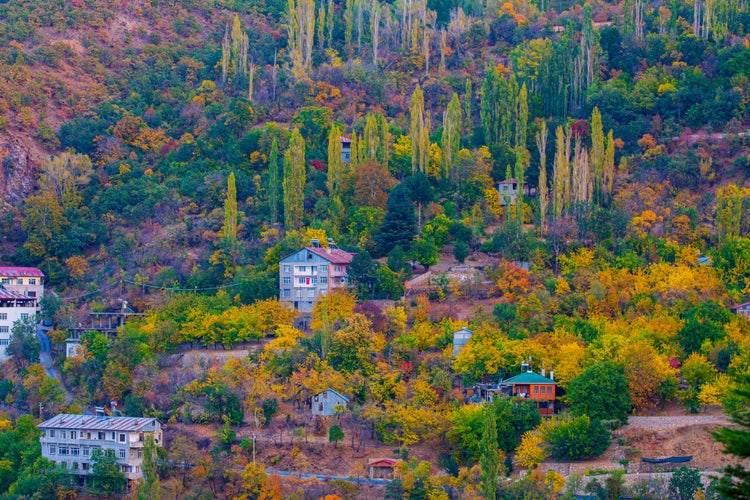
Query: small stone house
(325, 403)
(507, 191)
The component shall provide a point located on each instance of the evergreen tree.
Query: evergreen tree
(489, 458)
(106, 476)
(274, 181)
(399, 224)
(735, 483)
(294, 181)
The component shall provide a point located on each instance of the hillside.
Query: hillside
(569, 181)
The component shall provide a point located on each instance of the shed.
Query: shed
(382, 468)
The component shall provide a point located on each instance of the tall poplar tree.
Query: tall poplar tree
(468, 97)
(230, 210)
(294, 181)
(541, 146)
(522, 163)
(274, 181)
(597, 157)
(489, 456)
(522, 119)
(451, 139)
(419, 150)
(335, 162)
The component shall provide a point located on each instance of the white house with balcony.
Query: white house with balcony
(312, 272)
(13, 307)
(69, 440)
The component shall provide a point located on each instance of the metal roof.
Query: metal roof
(10, 295)
(528, 378)
(97, 423)
(334, 255)
(16, 272)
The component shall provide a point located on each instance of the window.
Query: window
(52, 433)
(121, 452)
(301, 281)
(75, 465)
(112, 436)
(88, 435)
(287, 268)
(6, 281)
(64, 464)
(287, 280)
(100, 436)
(19, 281)
(31, 294)
(74, 451)
(63, 435)
(314, 269)
(4, 341)
(303, 269)
(324, 268)
(298, 294)
(62, 450)
(311, 293)
(3, 315)
(4, 329)
(122, 438)
(323, 291)
(86, 451)
(536, 389)
(287, 293)
(53, 449)
(140, 453)
(84, 466)
(323, 280)
(24, 315)
(73, 434)
(32, 281)
(337, 269)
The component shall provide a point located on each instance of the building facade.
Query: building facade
(742, 309)
(13, 307)
(311, 273)
(540, 389)
(69, 440)
(27, 281)
(325, 403)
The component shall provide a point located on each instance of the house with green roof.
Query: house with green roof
(535, 387)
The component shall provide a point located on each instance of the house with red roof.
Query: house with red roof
(312, 272)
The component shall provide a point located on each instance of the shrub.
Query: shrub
(577, 438)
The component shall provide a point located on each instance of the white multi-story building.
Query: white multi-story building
(312, 272)
(13, 307)
(69, 440)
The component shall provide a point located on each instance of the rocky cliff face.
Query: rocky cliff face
(17, 169)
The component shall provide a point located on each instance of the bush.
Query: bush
(578, 438)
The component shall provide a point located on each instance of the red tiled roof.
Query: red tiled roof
(15, 272)
(9, 295)
(333, 255)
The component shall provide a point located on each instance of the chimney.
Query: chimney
(315, 243)
(552, 375)
(543, 373)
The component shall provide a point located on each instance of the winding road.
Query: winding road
(45, 359)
